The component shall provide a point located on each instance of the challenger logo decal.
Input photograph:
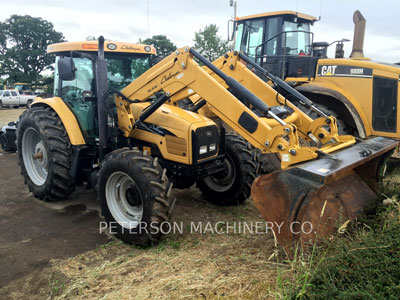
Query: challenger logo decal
(168, 77)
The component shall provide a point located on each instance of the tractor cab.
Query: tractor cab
(280, 42)
(125, 63)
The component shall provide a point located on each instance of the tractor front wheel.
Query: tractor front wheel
(134, 197)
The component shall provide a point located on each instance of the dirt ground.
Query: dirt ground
(9, 115)
(55, 250)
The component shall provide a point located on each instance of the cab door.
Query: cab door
(79, 95)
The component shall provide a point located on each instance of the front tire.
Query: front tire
(44, 153)
(134, 195)
(233, 186)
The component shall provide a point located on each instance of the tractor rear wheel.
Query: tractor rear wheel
(44, 153)
(233, 185)
(134, 197)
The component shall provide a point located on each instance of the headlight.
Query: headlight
(213, 147)
(203, 149)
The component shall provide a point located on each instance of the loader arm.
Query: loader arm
(322, 131)
(180, 74)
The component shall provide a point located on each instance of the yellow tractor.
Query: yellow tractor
(114, 123)
(362, 94)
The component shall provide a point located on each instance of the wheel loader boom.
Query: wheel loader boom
(180, 74)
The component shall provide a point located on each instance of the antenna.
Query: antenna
(148, 20)
(233, 3)
(320, 10)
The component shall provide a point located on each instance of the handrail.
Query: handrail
(285, 32)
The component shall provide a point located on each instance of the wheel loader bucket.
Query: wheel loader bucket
(311, 200)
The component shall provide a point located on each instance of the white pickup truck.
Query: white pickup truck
(14, 98)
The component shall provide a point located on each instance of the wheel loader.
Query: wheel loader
(361, 93)
(112, 124)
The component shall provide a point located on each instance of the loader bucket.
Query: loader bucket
(310, 200)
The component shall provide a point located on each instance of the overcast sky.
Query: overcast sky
(127, 20)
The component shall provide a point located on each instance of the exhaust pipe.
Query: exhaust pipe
(359, 33)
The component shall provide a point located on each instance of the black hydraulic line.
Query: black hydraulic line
(303, 100)
(151, 109)
(237, 87)
(101, 91)
(198, 105)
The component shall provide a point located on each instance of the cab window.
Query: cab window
(299, 42)
(6, 94)
(253, 32)
(13, 93)
(78, 94)
(239, 35)
(272, 37)
(122, 70)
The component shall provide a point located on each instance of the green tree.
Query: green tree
(23, 44)
(91, 38)
(163, 45)
(209, 43)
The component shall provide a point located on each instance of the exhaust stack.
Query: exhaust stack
(359, 33)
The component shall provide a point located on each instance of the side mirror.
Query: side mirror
(231, 30)
(66, 68)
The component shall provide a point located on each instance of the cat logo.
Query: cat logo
(328, 70)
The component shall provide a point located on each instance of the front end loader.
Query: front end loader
(131, 142)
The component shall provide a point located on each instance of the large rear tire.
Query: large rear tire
(44, 153)
(233, 186)
(134, 195)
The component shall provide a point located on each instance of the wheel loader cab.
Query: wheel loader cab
(281, 42)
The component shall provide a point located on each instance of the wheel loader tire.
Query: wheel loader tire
(44, 153)
(232, 186)
(269, 162)
(134, 197)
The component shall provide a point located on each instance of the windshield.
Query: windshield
(122, 70)
(299, 42)
(252, 33)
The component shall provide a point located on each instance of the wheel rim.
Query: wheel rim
(35, 157)
(223, 181)
(124, 200)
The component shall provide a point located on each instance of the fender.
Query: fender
(67, 118)
(358, 119)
